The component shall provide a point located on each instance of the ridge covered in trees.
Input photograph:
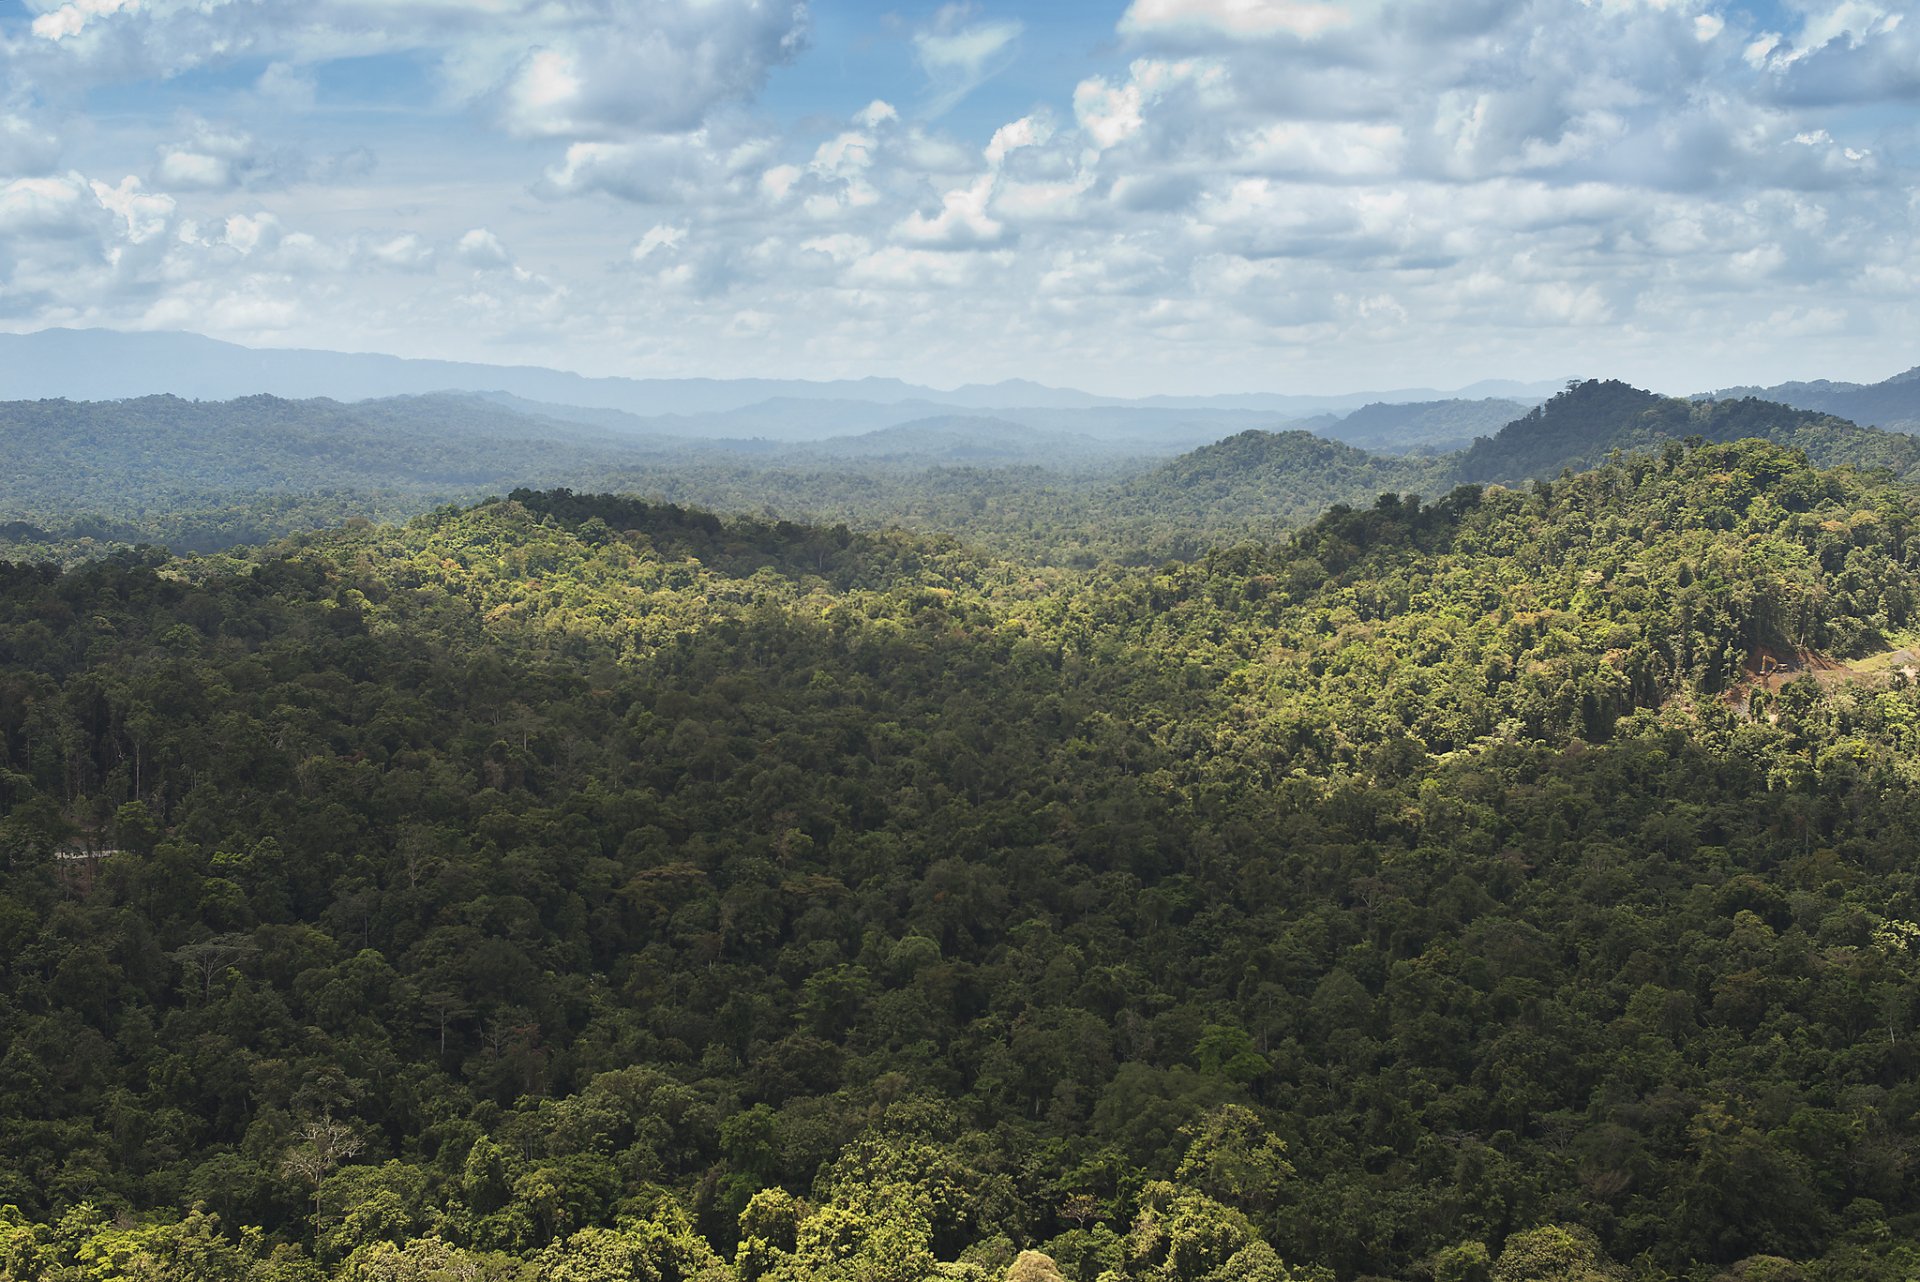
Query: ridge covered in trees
(578, 887)
(197, 477)
(1590, 420)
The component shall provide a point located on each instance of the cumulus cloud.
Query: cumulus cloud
(962, 223)
(145, 214)
(1028, 131)
(541, 68)
(45, 206)
(72, 18)
(213, 156)
(246, 233)
(480, 248)
(697, 167)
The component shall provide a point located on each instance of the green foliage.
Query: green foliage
(575, 887)
(1555, 1253)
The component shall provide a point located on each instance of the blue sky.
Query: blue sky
(1151, 195)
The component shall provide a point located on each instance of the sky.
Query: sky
(1179, 196)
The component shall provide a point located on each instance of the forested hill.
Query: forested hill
(204, 476)
(573, 888)
(1258, 484)
(1893, 403)
(1581, 426)
(158, 449)
(1427, 427)
(207, 475)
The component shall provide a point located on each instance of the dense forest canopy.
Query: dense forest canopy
(579, 887)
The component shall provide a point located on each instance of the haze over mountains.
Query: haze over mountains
(1072, 483)
(100, 365)
(1893, 403)
(1051, 473)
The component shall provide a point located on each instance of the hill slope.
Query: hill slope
(199, 476)
(573, 887)
(1893, 404)
(1261, 482)
(1580, 427)
(962, 438)
(1430, 426)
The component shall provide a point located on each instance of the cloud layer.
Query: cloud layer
(1213, 194)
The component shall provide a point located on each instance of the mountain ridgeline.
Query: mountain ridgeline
(1893, 403)
(1064, 486)
(574, 887)
(1579, 428)
(1262, 482)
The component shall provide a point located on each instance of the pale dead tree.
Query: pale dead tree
(417, 857)
(211, 958)
(1080, 1208)
(443, 1008)
(322, 1144)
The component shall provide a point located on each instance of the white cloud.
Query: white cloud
(875, 114)
(287, 86)
(844, 156)
(146, 214)
(1109, 114)
(407, 252)
(1243, 18)
(544, 93)
(656, 239)
(247, 233)
(962, 223)
(216, 157)
(959, 56)
(841, 248)
(696, 167)
(71, 19)
(480, 248)
(778, 181)
(44, 206)
(1337, 150)
(898, 267)
(193, 169)
(1028, 131)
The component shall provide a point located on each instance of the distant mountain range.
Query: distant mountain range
(1428, 426)
(100, 365)
(1289, 472)
(207, 474)
(1141, 474)
(1893, 403)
